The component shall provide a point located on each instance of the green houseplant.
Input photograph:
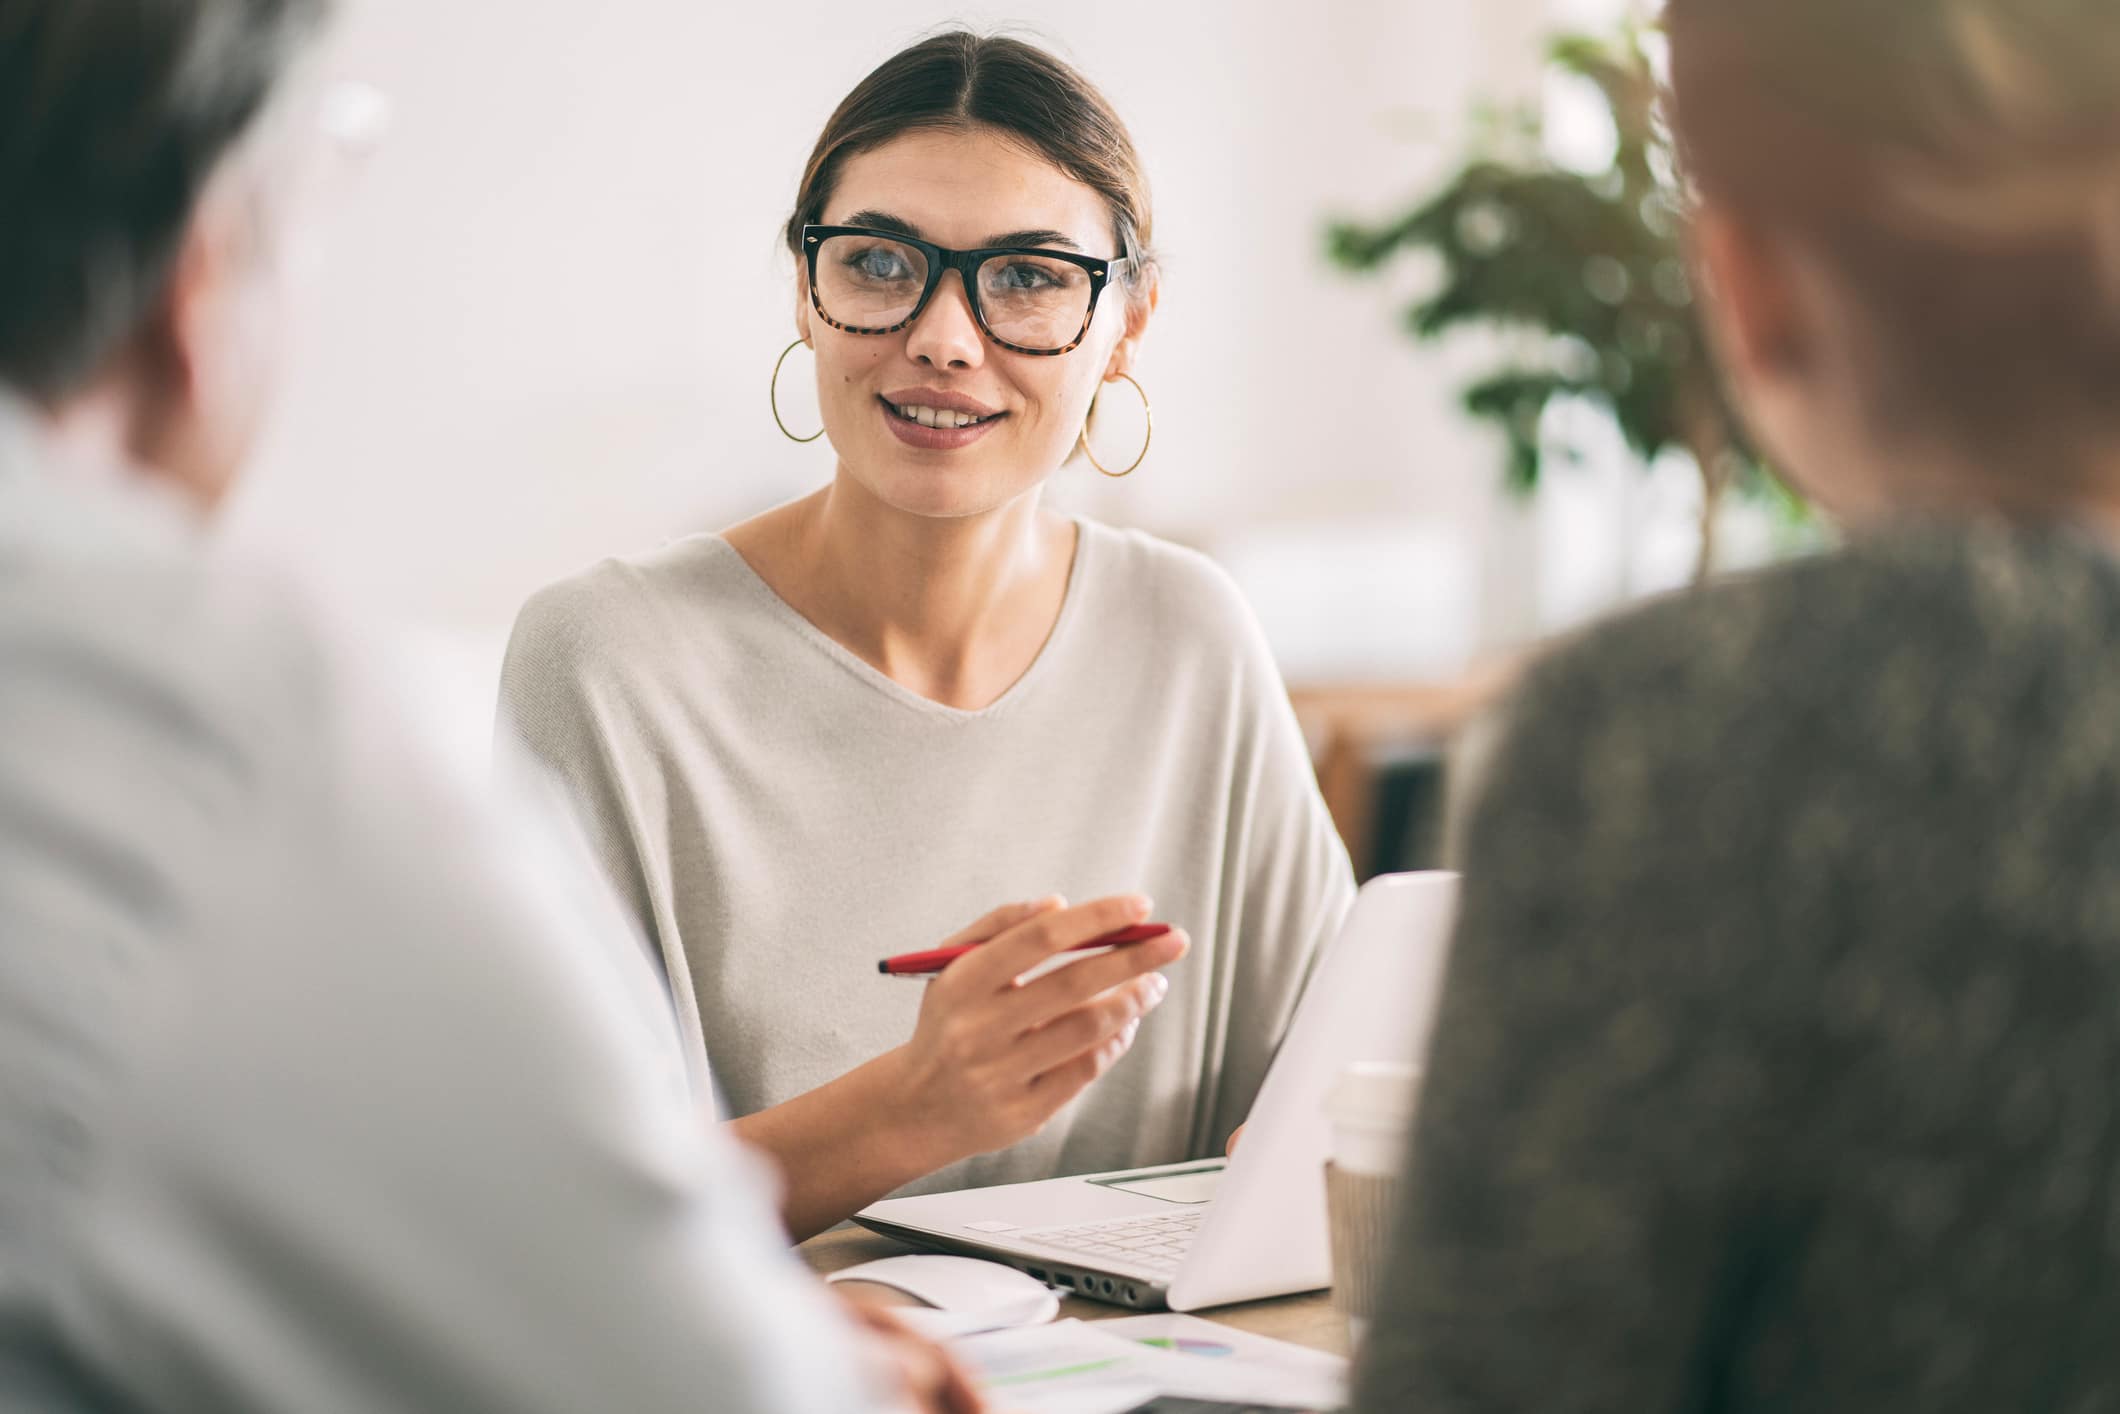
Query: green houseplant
(1589, 269)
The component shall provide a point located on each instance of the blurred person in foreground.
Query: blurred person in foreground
(320, 1089)
(1776, 1068)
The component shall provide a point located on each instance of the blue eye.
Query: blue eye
(1022, 277)
(879, 263)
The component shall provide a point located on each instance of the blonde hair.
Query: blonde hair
(1959, 161)
(2028, 163)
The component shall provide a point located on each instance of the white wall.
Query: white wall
(555, 302)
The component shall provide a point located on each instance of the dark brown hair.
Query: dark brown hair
(959, 80)
(1957, 160)
(114, 116)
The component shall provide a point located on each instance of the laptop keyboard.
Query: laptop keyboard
(1155, 1243)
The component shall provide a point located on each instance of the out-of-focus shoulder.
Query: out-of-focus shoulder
(120, 611)
(1836, 652)
(1939, 592)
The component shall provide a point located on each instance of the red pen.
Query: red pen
(920, 964)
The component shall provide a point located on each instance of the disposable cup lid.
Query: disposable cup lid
(1374, 1093)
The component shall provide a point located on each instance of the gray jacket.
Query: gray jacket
(1776, 1066)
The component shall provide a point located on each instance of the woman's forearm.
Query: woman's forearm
(991, 1060)
(843, 1145)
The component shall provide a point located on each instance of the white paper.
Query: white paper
(1290, 1373)
(1063, 1368)
(1073, 1367)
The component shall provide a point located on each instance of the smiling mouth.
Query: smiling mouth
(936, 417)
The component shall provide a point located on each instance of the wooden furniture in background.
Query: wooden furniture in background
(1352, 725)
(1308, 1320)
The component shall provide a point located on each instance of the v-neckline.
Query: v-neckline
(889, 686)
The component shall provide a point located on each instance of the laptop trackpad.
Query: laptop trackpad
(1186, 1186)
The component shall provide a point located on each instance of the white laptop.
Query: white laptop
(1215, 1231)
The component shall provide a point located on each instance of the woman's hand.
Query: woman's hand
(992, 1059)
(989, 1063)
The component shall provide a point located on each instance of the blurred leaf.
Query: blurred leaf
(1593, 262)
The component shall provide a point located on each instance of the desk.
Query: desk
(1301, 1320)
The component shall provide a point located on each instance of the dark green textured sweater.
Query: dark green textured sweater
(1776, 1069)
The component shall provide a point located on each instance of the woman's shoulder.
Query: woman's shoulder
(1175, 591)
(1890, 630)
(1916, 586)
(621, 602)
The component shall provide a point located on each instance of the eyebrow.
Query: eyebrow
(885, 221)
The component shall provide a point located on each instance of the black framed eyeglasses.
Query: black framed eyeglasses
(1026, 299)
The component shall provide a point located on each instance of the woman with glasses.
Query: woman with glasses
(1776, 1065)
(833, 732)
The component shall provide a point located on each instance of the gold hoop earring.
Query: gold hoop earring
(1148, 415)
(773, 397)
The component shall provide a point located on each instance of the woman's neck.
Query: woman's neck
(2051, 481)
(954, 609)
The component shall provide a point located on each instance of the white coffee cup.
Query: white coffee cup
(1371, 1109)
